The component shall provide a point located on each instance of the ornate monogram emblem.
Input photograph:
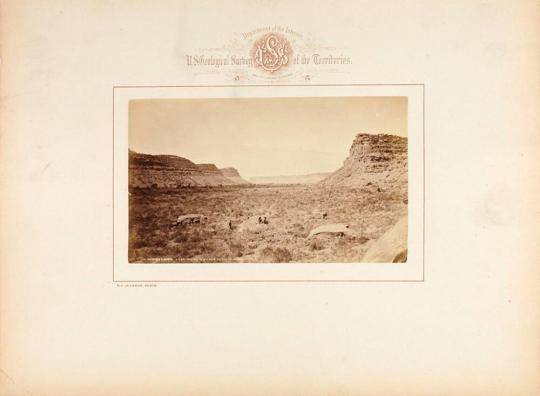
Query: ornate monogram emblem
(271, 52)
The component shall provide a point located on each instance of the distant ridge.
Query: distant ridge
(208, 168)
(311, 178)
(147, 170)
(233, 175)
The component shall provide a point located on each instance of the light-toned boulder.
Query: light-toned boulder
(337, 228)
(190, 219)
(391, 247)
(252, 224)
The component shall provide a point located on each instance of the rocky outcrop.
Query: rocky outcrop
(311, 178)
(171, 171)
(233, 175)
(379, 160)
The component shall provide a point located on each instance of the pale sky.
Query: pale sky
(262, 136)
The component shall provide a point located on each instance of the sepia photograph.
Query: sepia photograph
(268, 180)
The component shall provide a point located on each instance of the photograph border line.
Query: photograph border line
(282, 280)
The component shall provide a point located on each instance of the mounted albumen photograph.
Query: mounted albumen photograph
(268, 180)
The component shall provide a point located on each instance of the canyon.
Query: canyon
(272, 219)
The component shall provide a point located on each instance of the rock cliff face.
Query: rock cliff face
(374, 160)
(171, 171)
(212, 176)
(209, 168)
(233, 175)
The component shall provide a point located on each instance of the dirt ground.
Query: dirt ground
(292, 211)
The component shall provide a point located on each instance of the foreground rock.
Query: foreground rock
(190, 219)
(252, 224)
(339, 229)
(391, 247)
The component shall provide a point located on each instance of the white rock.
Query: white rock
(338, 228)
(390, 245)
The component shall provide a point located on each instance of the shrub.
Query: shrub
(237, 250)
(278, 255)
(316, 245)
(181, 238)
(282, 255)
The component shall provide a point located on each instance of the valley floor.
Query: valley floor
(292, 212)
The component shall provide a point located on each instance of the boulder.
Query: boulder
(190, 219)
(252, 225)
(391, 247)
(335, 229)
